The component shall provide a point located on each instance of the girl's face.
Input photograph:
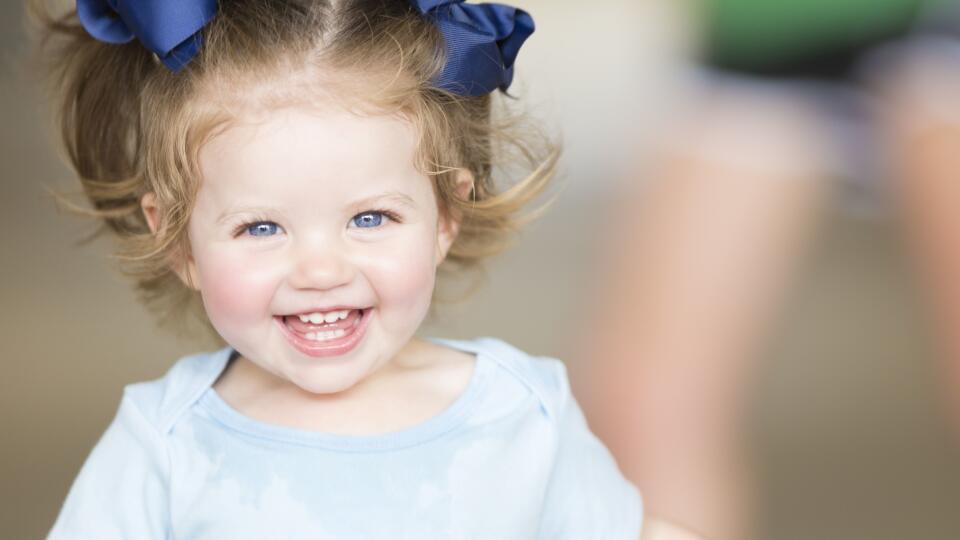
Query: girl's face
(315, 243)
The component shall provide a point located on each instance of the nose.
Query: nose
(320, 265)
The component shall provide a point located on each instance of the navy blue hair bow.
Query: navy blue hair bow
(169, 28)
(482, 41)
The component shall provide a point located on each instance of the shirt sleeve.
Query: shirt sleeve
(587, 496)
(121, 491)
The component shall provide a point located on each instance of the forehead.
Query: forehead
(300, 147)
(331, 132)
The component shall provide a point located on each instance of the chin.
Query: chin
(328, 385)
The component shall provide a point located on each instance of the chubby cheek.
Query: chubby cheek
(237, 290)
(403, 276)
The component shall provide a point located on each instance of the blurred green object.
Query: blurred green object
(756, 35)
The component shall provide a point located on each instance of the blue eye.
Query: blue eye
(368, 220)
(262, 228)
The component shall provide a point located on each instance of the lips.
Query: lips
(325, 339)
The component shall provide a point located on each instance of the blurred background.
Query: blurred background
(839, 365)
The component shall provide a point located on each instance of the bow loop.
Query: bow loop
(168, 28)
(482, 42)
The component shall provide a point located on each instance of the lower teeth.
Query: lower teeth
(326, 336)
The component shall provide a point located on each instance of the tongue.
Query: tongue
(294, 323)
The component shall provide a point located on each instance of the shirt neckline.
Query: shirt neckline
(432, 428)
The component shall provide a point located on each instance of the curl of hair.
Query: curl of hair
(130, 127)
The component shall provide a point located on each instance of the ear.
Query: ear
(184, 267)
(148, 203)
(449, 225)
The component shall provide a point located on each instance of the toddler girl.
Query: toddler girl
(302, 168)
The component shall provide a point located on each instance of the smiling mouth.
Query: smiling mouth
(322, 327)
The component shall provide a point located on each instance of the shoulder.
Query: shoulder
(163, 401)
(542, 377)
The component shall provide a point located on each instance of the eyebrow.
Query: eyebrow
(227, 214)
(392, 196)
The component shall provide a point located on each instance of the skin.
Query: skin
(274, 231)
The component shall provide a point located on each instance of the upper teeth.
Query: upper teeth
(328, 317)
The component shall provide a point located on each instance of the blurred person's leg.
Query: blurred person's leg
(921, 106)
(695, 265)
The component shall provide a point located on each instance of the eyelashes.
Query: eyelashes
(374, 218)
(248, 225)
(263, 227)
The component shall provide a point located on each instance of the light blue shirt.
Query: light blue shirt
(512, 458)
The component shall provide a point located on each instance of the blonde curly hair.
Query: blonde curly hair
(131, 127)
